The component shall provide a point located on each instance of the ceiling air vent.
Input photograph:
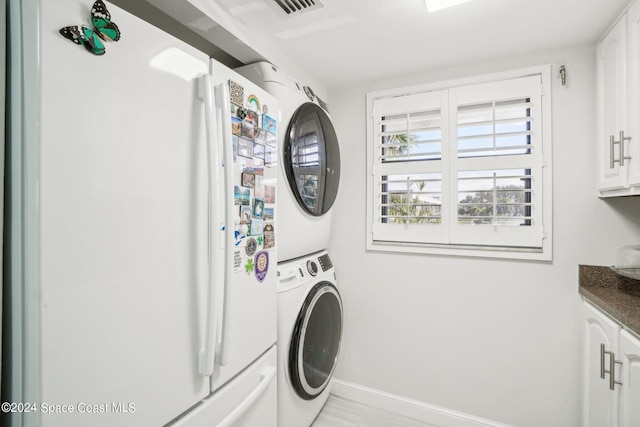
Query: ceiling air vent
(295, 7)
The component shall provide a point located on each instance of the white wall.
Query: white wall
(494, 338)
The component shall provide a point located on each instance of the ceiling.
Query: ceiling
(355, 40)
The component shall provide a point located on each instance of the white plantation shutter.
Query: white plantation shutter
(464, 167)
(499, 156)
(407, 167)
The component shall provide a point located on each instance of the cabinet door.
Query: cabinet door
(612, 104)
(600, 402)
(630, 357)
(632, 147)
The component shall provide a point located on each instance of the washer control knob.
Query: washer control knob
(312, 267)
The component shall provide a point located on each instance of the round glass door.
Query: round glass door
(312, 159)
(316, 341)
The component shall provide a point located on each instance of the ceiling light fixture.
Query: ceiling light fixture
(435, 5)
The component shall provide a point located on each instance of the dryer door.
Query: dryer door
(312, 159)
(315, 343)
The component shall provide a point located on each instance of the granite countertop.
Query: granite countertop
(616, 295)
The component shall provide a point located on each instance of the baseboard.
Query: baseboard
(415, 409)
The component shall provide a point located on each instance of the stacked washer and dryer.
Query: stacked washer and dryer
(309, 305)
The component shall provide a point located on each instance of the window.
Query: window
(462, 167)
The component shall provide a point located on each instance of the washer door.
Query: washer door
(315, 343)
(312, 159)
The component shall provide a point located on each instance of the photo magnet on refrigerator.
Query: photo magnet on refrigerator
(269, 237)
(269, 123)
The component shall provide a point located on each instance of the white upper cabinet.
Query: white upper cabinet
(633, 79)
(618, 91)
(612, 104)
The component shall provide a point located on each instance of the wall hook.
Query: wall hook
(563, 75)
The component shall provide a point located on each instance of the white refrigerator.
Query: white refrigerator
(142, 264)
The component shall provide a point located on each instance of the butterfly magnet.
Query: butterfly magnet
(93, 37)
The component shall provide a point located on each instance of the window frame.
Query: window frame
(440, 241)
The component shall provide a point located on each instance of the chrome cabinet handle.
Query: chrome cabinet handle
(612, 143)
(622, 139)
(612, 370)
(612, 367)
(602, 353)
(612, 163)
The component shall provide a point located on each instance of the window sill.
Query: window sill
(517, 253)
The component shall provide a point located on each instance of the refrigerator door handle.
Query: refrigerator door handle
(267, 376)
(208, 350)
(223, 109)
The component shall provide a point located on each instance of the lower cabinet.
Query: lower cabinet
(611, 372)
(630, 355)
